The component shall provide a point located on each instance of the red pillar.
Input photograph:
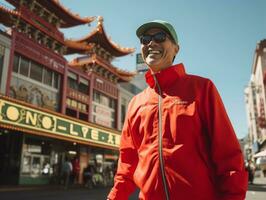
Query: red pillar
(64, 90)
(11, 59)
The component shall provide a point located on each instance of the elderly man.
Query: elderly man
(177, 141)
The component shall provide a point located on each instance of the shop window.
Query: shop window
(83, 86)
(16, 63)
(48, 77)
(36, 72)
(35, 165)
(24, 67)
(96, 97)
(104, 111)
(72, 81)
(36, 160)
(71, 113)
(83, 116)
(111, 103)
(56, 80)
(104, 100)
(48, 97)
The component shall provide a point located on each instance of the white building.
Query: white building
(255, 101)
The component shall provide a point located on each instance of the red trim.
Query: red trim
(63, 93)
(38, 53)
(52, 31)
(91, 95)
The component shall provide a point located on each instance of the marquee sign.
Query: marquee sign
(21, 116)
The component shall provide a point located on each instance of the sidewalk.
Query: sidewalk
(13, 188)
(260, 180)
(55, 193)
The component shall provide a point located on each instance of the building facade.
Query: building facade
(255, 100)
(52, 109)
(5, 44)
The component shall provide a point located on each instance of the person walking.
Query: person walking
(76, 170)
(67, 169)
(251, 171)
(177, 141)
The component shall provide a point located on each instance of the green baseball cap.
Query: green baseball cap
(158, 24)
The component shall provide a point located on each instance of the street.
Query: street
(257, 191)
(55, 193)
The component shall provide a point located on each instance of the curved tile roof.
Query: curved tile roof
(122, 74)
(6, 15)
(98, 36)
(75, 47)
(66, 15)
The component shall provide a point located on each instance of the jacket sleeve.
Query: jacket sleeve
(226, 155)
(128, 159)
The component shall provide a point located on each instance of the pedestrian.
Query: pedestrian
(251, 171)
(67, 169)
(88, 173)
(76, 170)
(177, 141)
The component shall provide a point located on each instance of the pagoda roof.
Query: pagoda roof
(7, 15)
(75, 47)
(68, 18)
(124, 76)
(98, 36)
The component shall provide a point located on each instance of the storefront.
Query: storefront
(52, 109)
(37, 142)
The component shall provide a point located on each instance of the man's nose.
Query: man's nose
(151, 43)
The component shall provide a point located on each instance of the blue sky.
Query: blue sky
(217, 38)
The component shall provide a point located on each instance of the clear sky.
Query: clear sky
(217, 38)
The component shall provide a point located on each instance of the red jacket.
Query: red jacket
(200, 156)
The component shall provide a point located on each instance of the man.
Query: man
(66, 172)
(177, 142)
(251, 171)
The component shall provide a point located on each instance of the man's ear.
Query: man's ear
(176, 48)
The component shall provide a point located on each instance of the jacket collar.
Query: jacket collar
(165, 77)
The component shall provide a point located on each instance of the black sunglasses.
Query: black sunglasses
(158, 38)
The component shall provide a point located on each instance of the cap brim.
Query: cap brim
(143, 28)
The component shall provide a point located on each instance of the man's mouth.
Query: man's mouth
(154, 52)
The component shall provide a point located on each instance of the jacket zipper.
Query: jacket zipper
(161, 140)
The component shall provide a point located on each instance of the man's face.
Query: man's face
(158, 55)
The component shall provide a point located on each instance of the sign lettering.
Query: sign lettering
(21, 116)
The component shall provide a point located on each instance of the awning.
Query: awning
(260, 154)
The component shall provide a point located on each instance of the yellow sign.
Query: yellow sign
(18, 115)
